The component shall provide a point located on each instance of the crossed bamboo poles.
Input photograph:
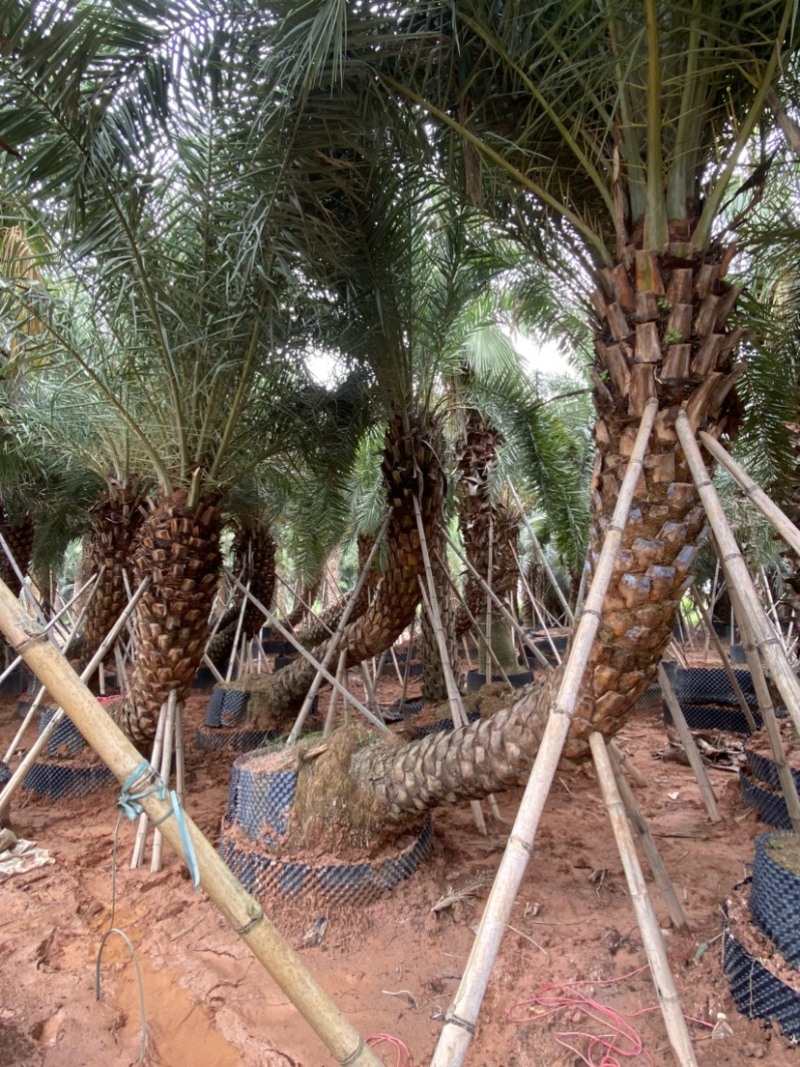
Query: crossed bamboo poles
(246, 915)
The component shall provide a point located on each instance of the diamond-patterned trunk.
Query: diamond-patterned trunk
(254, 560)
(178, 547)
(114, 522)
(661, 331)
(328, 620)
(411, 468)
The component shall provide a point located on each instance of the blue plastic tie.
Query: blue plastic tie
(130, 803)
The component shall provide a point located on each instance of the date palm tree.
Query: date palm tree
(162, 296)
(610, 140)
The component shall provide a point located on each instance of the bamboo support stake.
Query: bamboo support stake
(240, 910)
(287, 635)
(431, 605)
(329, 718)
(480, 637)
(765, 640)
(37, 700)
(729, 671)
(779, 519)
(692, 753)
(539, 617)
(168, 713)
(768, 717)
(239, 624)
(642, 831)
(333, 644)
(489, 601)
(462, 1015)
(17, 778)
(637, 776)
(499, 604)
(652, 941)
(540, 553)
(137, 855)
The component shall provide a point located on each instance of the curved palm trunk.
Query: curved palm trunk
(662, 332)
(254, 561)
(178, 547)
(114, 522)
(411, 468)
(329, 619)
(307, 596)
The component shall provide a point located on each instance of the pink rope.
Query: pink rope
(621, 1041)
(403, 1053)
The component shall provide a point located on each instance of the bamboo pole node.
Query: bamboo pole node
(248, 926)
(353, 1057)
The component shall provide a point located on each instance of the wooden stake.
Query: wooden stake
(652, 941)
(540, 553)
(461, 1017)
(241, 911)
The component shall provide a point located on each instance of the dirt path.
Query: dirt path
(392, 967)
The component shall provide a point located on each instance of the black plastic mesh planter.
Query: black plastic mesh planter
(710, 685)
(226, 707)
(767, 802)
(203, 678)
(333, 884)
(256, 820)
(758, 993)
(60, 778)
(775, 899)
(714, 717)
(764, 768)
(66, 739)
(440, 726)
(230, 738)
(16, 682)
(476, 681)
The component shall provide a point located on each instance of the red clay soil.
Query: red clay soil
(391, 967)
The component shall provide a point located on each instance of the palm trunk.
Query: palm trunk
(178, 547)
(321, 628)
(411, 467)
(18, 535)
(254, 561)
(662, 332)
(115, 520)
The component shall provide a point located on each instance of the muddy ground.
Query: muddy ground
(393, 966)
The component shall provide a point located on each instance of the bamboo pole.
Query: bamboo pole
(729, 671)
(779, 519)
(431, 604)
(37, 608)
(540, 553)
(462, 1015)
(536, 611)
(652, 941)
(37, 700)
(685, 734)
(239, 624)
(642, 831)
(333, 644)
(168, 714)
(768, 717)
(137, 855)
(327, 729)
(35, 633)
(239, 909)
(765, 640)
(289, 636)
(499, 604)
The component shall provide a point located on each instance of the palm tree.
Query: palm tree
(165, 300)
(608, 139)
